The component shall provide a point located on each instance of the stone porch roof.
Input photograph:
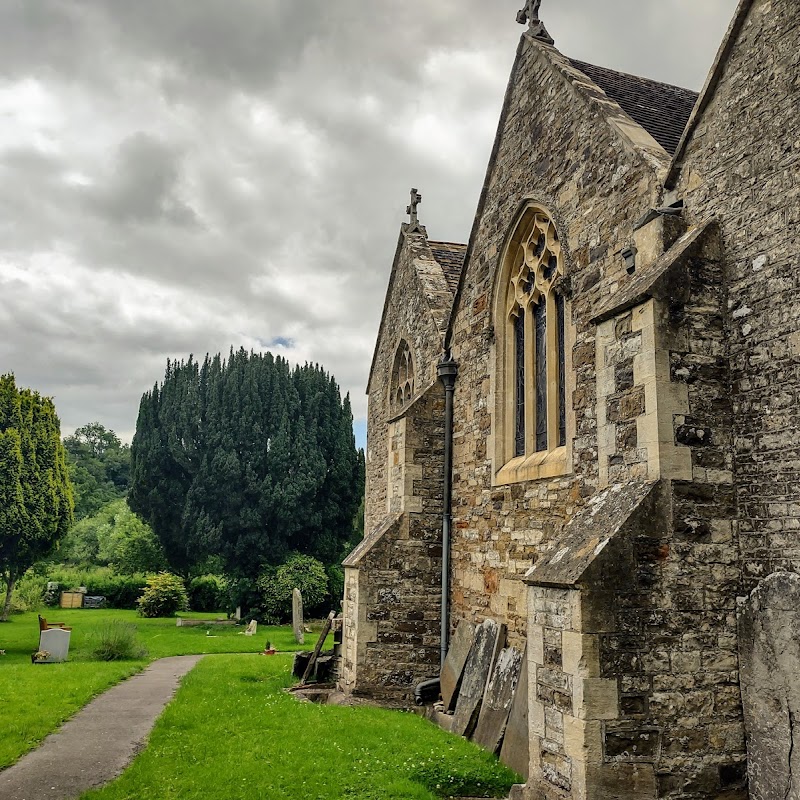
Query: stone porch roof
(450, 257)
(661, 109)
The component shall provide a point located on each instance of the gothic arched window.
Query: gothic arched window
(530, 325)
(402, 386)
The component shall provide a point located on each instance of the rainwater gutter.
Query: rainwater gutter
(447, 370)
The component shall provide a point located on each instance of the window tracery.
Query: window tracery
(532, 347)
(402, 376)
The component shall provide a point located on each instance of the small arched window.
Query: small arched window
(402, 376)
(530, 324)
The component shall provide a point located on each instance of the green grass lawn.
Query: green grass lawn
(232, 733)
(35, 700)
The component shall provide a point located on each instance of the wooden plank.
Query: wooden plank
(71, 600)
(326, 629)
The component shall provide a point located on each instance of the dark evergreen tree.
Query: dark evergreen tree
(246, 460)
(35, 491)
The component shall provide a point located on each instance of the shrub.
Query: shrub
(300, 571)
(164, 595)
(120, 591)
(207, 593)
(117, 641)
(29, 592)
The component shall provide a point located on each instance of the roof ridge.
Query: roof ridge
(442, 241)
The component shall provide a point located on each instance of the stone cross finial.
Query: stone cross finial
(416, 199)
(413, 226)
(530, 16)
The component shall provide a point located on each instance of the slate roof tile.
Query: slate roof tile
(450, 257)
(661, 109)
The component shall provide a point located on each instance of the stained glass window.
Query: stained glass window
(519, 400)
(562, 388)
(536, 377)
(540, 331)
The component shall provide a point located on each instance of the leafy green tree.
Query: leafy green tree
(115, 537)
(99, 466)
(276, 585)
(35, 492)
(248, 460)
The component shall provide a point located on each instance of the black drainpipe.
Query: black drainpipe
(447, 370)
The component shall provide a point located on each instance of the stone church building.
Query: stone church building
(584, 424)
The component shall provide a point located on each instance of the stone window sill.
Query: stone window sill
(551, 464)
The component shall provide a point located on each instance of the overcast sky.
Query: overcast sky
(180, 176)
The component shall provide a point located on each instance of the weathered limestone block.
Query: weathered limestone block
(769, 646)
(497, 700)
(489, 640)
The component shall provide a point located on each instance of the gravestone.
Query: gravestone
(252, 628)
(453, 669)
(489, 639)
(497, 700)
(515, 752)
(297, 616)
(769, 651)
(55, 642)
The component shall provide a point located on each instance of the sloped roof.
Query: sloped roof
(661, 109)
(450, 257)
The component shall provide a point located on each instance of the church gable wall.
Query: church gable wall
(557, 150)
(742, 162)
(407, 318)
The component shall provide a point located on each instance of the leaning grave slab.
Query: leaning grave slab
(515, 751)
(497, 700)
(769, 651)
(489, 639)
(453, 669)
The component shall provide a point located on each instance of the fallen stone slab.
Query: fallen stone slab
(453, 669)
(182, 622)
(497, 700)
(96, 745)
(489, 640)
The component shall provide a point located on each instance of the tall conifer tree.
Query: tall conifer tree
(35, 492)
(247, 460)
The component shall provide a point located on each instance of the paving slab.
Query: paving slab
(489, 639)
(96, 745)
(453, 669)
(497, 700)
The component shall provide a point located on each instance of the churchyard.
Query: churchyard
(232, 730)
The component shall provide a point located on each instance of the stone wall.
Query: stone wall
(393, 579)
(633, 637)
(742, 162)
(634, 683)
(498, 529)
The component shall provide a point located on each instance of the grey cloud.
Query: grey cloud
(143, 187)
(244, 167)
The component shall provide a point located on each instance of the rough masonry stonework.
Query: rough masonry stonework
(618, 554)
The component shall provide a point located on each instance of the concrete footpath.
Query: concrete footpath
(96, 745)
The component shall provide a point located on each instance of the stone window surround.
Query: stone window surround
(403, 379)
(555, 461)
